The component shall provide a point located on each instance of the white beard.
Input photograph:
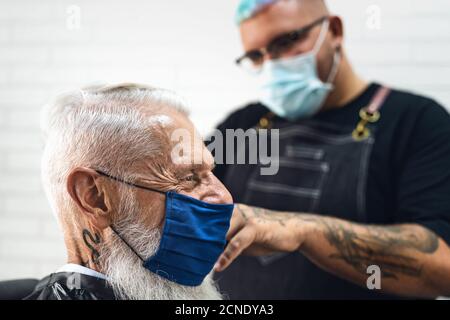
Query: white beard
(131, 281)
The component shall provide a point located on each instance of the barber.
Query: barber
(363, 187)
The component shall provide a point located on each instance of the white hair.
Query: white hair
(111, 128)
(92, 126)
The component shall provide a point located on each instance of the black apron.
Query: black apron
(322, 170)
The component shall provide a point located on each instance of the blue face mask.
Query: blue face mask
(192, 240)
(291, 87)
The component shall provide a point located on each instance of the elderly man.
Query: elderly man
(139, 220)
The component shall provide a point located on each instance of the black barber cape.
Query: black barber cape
(71, 286)
(400, 174)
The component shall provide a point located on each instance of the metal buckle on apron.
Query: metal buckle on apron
(266, 121)
(370, 114)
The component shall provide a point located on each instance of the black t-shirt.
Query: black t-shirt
(406, 178)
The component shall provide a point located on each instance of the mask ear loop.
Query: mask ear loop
(321, 38)
(128, 183)
(132, 185)
(336, 62)
(337, 53)
(128, 245)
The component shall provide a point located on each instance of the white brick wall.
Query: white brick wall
(188, 46)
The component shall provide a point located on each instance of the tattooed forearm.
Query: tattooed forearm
(265, 215)
(90, 241)
(392, 248)
(419, 238)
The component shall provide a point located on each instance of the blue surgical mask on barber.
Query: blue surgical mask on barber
(193, 237)
(291, 88)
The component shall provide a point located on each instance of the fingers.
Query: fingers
(242, 240)
(236, 223)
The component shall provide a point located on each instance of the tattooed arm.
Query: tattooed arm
(413, 260)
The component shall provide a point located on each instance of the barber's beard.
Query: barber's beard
(126, 274)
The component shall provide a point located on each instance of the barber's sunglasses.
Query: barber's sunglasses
(283, 43)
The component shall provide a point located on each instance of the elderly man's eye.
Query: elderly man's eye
(190, 178)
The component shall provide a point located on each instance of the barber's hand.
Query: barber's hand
(256, 231)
